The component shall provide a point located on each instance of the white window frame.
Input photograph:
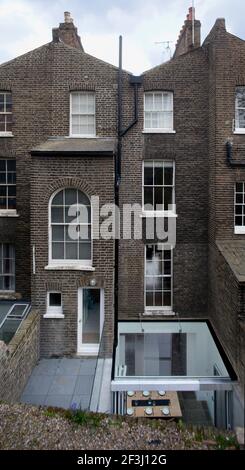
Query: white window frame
(6, 113)
(12, 275)
(239, 229)
(167, 130)
(82, 114)
(237, 129)
(7, 211)
(161, 309)
(51, 310)
(69, 264)
(158, 213)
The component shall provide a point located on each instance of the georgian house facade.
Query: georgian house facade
(74, 131)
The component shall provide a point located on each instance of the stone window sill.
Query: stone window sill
(6, 134)
(163, 312)
(9, 295)
(8, 213)
(239, 131)
(158, 131)
(68, 267)
(239, 230)
(158, 214)
(53, 315)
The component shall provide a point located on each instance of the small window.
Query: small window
(240, 109)
(5, 113)
(158, 111)
(158, 186)
(7, 267)
(158, 277)
(82, 118)
(239, 208)
(54, 305)
(7, 185)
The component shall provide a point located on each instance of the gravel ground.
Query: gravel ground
(29, 427)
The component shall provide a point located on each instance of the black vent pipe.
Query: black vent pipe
(136, 82)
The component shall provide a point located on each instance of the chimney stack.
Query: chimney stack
(189, 39)
(67, 17)
(67, 33)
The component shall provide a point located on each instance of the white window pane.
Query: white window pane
(75, 130)
(154, 120)
(147, 120)
(148, 101)
(91, 103)
(158, 104)
(168, 120)
(241, 118)
(167, 101)
(240, 97)
(75, 103)
(90, 130)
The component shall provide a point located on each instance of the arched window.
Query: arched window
(70, 227)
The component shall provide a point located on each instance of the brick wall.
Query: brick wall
(18, 358)
(187, 77)
(225, 303)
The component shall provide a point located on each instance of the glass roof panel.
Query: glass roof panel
(168, 349)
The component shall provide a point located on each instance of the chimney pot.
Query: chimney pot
(67, 17)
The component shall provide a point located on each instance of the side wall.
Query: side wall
(18, 358)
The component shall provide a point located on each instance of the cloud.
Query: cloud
(25, 24)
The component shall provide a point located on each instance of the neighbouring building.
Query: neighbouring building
(76, 131)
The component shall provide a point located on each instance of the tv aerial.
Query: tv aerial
(167, 48)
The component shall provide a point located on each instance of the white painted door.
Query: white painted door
(90, 320)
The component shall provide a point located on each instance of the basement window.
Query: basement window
(239, 213)
(54, 305)
(158, 112)
(5, 113)
(240, 110)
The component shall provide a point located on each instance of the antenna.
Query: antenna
(193, 22)
(168, 48)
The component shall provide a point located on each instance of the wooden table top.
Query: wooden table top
(140, 411)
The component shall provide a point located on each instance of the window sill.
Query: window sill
(9, 295)
(239, 230)
(239, 131)
(8, 213)
(157, 312)
(6, 134)
(158, 214)
(158, 131)
(87, 136)
(53, 315)
(68, 267)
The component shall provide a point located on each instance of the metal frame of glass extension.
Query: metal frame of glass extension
(121, 383)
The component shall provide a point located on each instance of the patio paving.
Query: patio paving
(61, 382)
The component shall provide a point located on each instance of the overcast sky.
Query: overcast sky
(27, 24)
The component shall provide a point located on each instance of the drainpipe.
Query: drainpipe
(136, 82)
(230, 161)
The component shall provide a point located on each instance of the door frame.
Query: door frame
(88, 349)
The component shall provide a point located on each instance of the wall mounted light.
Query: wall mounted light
(92, 282)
